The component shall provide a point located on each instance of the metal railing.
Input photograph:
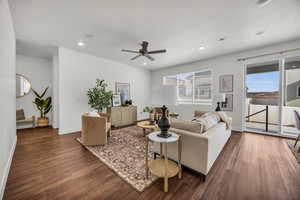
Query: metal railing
(267, 116)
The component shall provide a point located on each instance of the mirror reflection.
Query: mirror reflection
(23, 85)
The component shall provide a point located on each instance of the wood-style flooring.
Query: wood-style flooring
(48, 166)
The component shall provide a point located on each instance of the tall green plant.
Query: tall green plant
(43, 105)
(99, 98)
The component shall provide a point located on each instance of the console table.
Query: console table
(122, 115)
(163, 167)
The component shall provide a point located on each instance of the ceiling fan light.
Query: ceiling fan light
(80, 43)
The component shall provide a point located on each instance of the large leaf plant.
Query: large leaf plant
(42, 104)
(98, 97)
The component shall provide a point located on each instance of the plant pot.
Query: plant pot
(42, 122)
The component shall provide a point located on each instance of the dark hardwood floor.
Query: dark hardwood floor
(48, 166)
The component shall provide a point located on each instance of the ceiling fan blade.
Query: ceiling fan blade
(129, 51)
(157, 51)
(135, 57)
(150, 57)
(145, 45)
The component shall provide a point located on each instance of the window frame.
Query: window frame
(194, 102)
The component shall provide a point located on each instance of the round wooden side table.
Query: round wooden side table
(163, 167)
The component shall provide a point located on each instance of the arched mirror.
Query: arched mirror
(23, 85)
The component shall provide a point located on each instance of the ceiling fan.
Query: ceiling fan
(144, 51)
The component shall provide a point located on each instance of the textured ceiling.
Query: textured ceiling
(179, 26)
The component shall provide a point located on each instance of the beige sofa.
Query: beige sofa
(199, 151)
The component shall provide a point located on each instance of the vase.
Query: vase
(164, 124)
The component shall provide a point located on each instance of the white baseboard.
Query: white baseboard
(7, 168)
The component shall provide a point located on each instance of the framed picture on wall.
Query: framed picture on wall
(227, 105)
(116, 100)
(226, 83)
(124, 90)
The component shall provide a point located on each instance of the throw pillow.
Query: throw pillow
(224, 118)
(93, 114)
(208, 120)
(199, 113)
(187, 125)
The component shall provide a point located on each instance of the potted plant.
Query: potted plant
(44, 106)
(149, 110)
(98, 97)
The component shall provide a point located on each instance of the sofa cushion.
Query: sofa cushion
(225, 118)
(187, 125)
(208, 120)
(199, 113)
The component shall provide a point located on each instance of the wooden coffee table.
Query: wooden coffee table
(146, 125)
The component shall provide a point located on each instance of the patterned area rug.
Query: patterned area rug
(294, 149)
(125, 155)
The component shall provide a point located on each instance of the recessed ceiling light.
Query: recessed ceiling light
(201, 48)
(144, 63)
(294, 66)
(262, 3)
(260, 33)
(80, 43)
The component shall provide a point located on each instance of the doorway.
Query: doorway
(272, 95)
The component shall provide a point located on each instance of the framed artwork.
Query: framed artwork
(116, 100)
(124, 90)
(228, 104)
(226, 83)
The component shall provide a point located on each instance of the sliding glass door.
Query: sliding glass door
(291, 95)
(272, 96)
(263, 97)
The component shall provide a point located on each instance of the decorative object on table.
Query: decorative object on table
(157, 113)
(21, 119)
(227, 105)
(164, 124)
(98, 97)
(124, 90)
(23, 86)
(147, 125)
(226, 83)
(128, 102)
(116, 100)
(124, 154)
(163, 167)
(44, 106)
(219, 98)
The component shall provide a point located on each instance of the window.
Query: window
(192, 87)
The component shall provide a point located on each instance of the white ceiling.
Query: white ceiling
(177, 25)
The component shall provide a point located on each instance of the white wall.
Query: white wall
(39, 73)
(78, 72)
(55, 91)
(227, 64)
(8, 93)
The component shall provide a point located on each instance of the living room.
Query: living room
(223, 70)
